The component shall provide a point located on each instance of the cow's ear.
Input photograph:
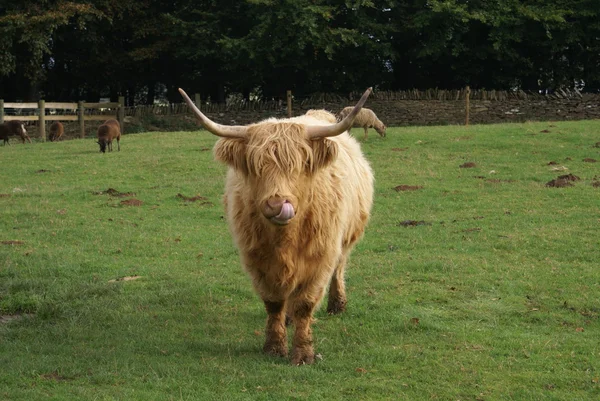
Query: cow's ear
(325, 152)
(232, 152)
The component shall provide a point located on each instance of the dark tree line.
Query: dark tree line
(145, 49)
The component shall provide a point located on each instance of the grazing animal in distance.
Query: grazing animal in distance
(298, 196)
(107, 132)
(13, 128)
(366, 119)
(56, 131)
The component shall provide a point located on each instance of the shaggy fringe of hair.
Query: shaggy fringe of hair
(281, 145)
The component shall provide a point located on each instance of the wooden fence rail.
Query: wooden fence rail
(80, 111)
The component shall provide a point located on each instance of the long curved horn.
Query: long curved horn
(224, 131)
(324, 131)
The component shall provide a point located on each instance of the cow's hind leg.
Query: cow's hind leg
(337, 288)
(276, 334)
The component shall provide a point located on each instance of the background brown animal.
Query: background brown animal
(56, 131)
(13, 128)
(298, 196)
(107, 132)
(366, 119)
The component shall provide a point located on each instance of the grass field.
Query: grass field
(475, 283)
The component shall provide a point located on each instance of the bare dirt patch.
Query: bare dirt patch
(5, 195)
(11, 318)
(597, 145)
(132, 202)
(401, 188)
(468, 165)
(399, 149)
(11, 242)
(191, 199)
(589, 160)
(563, 181)
(569, 177)
(54, 376)
(43, 171)
(552, 163)
(545, 131)
(414, 223)
(115, 193)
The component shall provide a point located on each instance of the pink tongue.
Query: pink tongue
(287, 212)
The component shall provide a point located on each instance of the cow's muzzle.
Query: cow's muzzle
(279, 211)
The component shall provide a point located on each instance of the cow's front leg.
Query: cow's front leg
(302, 345)
(276, 334)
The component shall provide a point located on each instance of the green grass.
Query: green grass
(497, 297)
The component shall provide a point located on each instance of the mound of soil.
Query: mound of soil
(115, 193)
(569, 177)
(414, 223)
(11, 242)
(468, 165)
(132, 202)
(563, 181)
(400, 188)
(191, 199)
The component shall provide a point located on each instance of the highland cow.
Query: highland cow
(298, 196)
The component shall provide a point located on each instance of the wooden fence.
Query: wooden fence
(81, 111)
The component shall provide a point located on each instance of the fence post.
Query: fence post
(289, 103)
(42, 120)
(81, 119)
(197, 100)
(468, 105)
(1, 111)
(121, 113)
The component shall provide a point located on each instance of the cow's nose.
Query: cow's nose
(278, 210)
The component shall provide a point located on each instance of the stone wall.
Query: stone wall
(440, 112)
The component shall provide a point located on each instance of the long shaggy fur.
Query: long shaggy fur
(330, 184)
(323, 115)
(366, 119)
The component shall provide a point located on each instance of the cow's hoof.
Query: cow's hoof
(275, 349)
(303, 357)
(336, 306)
